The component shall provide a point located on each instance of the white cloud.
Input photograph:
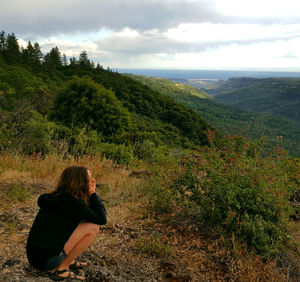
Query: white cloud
(54, 17)
(169, 33)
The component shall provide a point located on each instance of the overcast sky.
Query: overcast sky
(174, 34)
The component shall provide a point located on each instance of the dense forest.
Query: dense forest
(48, 103)
(229, 120)
(280, 96)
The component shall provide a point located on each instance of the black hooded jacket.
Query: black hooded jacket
(58, 217)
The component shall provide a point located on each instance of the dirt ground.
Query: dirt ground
(132, 247)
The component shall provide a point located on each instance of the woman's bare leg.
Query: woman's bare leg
(78, 242)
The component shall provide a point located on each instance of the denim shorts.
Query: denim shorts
(55, 261)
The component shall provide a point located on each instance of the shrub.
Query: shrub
(120, 154)
(41, 135)
(85, 141)
(160, 198)
(236, 190)
(151, 152)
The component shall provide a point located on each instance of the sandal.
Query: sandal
(56, 275)
(77, 265)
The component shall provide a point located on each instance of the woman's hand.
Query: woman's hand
(92, 189)
(92, 184)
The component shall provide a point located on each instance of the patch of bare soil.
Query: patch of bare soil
(124, 252)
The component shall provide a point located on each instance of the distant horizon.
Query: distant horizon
(209, 73)
(212, 69)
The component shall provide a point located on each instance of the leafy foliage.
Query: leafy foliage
(236, 190)
(83, 102)
(120, 154)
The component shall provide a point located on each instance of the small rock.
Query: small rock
(10, 263)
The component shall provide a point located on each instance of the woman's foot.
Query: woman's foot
(59, 275)
(77, 264)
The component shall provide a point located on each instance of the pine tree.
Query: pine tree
(32, 55)
(2, 43)
(99, 67)
(12, 51)
(38, 55)
(84, 62)
(28, 54)
(53, 58)
(73, 62)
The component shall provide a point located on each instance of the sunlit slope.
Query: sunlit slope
(170, 88)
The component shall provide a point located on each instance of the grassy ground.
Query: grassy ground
(131, 246)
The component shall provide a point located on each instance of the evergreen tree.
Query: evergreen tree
(38, 55)
(32, 55)
(53, 58)
(84, 62)
(12, 51)
(2, 43)
(27, 54)
(99, 67)
(73, 62)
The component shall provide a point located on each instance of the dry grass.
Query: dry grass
(114, 180)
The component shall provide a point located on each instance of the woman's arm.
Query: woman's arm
(94, 212)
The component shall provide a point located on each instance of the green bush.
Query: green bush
(236, 190)
(40, 135)
(160, 198)
(120, 154)
(84, 141)
(151, 152)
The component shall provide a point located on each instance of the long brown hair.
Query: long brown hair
(75, 181)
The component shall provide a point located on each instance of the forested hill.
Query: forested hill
(47, 101)
(229, 120)
(279, 96)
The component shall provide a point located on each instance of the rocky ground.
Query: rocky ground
(132, 247)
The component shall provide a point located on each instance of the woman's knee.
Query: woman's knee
(91, 228)
(95, 229)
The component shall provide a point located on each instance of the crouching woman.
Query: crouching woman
(66, 224)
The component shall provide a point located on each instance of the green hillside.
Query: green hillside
(166, 86)
(273, 95)
(47, 102)
(229, 120)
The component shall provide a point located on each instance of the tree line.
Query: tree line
(31, 56)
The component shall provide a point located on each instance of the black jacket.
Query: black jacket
(58, 217)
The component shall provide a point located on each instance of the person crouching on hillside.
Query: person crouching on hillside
(66, 224)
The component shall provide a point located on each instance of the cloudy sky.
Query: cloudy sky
(173, 34)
